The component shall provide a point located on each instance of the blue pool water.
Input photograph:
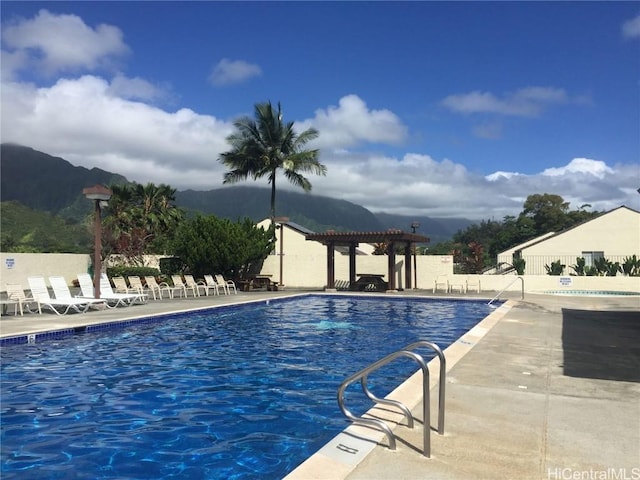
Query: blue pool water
(230, 393)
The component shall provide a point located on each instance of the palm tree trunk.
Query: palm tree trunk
(273, 198)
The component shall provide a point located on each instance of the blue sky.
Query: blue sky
(423, 108)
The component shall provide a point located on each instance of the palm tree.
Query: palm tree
(263, 145)
(140, 215)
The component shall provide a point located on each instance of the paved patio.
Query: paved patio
(545, 388)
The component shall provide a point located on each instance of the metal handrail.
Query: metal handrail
(510, 283)
(442, 380)
(362, 375)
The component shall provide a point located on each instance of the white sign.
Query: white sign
(10, 262)
(565, 281)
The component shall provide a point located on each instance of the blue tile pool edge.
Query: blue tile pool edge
(30, 338)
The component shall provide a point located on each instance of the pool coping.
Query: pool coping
(344, 452)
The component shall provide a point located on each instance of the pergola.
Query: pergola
(392, 238)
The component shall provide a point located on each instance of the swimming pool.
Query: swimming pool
(237, 392)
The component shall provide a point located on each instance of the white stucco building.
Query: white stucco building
(613, 235)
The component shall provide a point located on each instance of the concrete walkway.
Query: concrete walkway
(544, 388)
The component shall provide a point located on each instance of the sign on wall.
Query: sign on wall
(10, 262)
(565, 281)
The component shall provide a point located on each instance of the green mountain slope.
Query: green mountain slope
(314, 212)
(437, 229)
(46, 183)
(27, 230)
(51, 184)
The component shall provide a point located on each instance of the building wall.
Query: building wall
(304, 271)
(615, 233)
(507, 255)
(17, 267)
(310, 271)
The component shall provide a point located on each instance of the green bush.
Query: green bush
(208, 244)
(126, 271)
(171, 266)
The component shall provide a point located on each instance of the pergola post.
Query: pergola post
(331, 273)
(391, 258)
(407, 263)
(391, 237)
(352, 263)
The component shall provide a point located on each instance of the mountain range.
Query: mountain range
(53, 185)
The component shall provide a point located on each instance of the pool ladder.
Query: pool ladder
(406, 352)
(505, 288)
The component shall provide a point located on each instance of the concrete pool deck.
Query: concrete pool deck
(544, 388)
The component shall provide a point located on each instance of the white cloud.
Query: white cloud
(136, 89)
(596, 168)
(83, 121)
(114, 124)
(631, 28)
(62, 43)
(229, 72)
(352, 123)
(526, 102)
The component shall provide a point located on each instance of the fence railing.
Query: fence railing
(535, 264)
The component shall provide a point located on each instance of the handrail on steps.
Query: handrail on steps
(406, 352)
(503, 290)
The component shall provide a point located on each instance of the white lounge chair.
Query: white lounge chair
(441, 283)
(107, 292)
(138, 287)
(62, 292)
(16, 293)
(227, 285)
(40, 292)
(113, 299)
(154, 286)
(457, 286)
(211, 283)
(192, 283)
(473, 284)
(178, 282)
(120, 286)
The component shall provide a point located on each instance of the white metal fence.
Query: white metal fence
(535, 264)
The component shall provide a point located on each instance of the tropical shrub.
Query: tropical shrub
(631, 266)
(606, 267)
(556, 268)
(579, 267)
(519, 264)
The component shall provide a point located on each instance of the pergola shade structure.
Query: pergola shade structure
(392, 238)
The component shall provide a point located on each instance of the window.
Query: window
(591, 257)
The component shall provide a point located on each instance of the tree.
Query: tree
(265, 145)
(210, 245)
(139, 219)
(548, 211)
